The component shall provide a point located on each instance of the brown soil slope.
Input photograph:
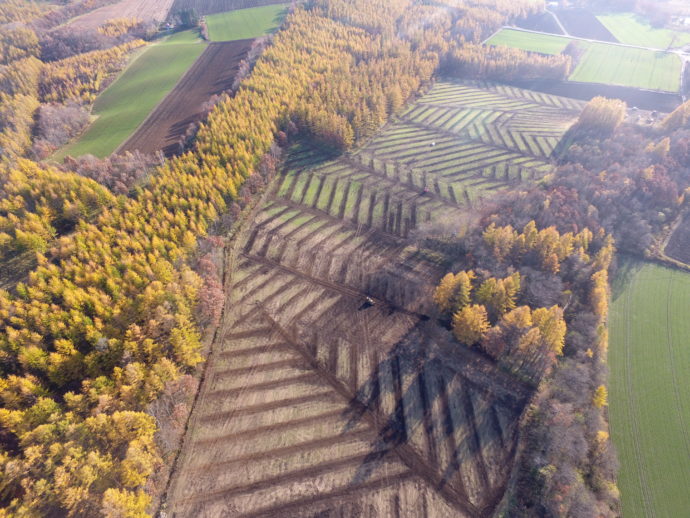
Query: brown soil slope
(211, 74)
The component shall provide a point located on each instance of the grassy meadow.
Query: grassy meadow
(633, 30)
(245, 23)
(124, 105)
(625, 66)
(649, 398)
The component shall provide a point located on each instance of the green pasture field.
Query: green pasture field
(542, 43)
(634, 30)
(248, 23)
(126, 103)
(604, 63)
(649, 395)
(625, 66)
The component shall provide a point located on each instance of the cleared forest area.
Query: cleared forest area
(330, 389)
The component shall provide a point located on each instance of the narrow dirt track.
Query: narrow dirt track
(212, 74)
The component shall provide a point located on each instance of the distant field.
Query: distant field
(634, 30)
(124, 105)
(542, 43)
(649, 403)
(604, 63)
(245, 23)
(626, 66)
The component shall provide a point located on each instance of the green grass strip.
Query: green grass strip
(248, 23)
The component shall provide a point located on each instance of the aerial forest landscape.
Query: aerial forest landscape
(344, 258)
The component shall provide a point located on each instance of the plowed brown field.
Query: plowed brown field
(211, 74)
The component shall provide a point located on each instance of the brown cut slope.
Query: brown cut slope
(211, 74)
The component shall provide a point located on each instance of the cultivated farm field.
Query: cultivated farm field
(245, 23)
(125, 104)
(649, 393)
(602, 62)
(624, 66)
(206, 7)
(635, 30)
(542, 43)
(147, 10)
(211, 74)
(317, 402)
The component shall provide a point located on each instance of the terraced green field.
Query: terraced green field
(456, 145)
(248, 23)
(649, 399)
(124, 105)
(604, 63)
(635, 30)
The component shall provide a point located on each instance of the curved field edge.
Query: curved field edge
(649, 387)
(126, 103)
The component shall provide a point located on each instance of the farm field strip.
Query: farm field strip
(211, 74)
(606, 63)
(318, 400)
(649, 389)
(247, 23)
(635, 30)
(625, 66)
(126, 103)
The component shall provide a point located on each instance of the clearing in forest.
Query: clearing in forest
(125, 104)
(317, 401)
(604, 63)
(246, 23)
(649, 399)
(635, 30)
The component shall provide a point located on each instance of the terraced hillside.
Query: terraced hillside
(318, 401)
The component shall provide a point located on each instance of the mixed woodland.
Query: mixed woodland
(99, 340)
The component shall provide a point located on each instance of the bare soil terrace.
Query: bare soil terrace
(212, 74)
(318, 403)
